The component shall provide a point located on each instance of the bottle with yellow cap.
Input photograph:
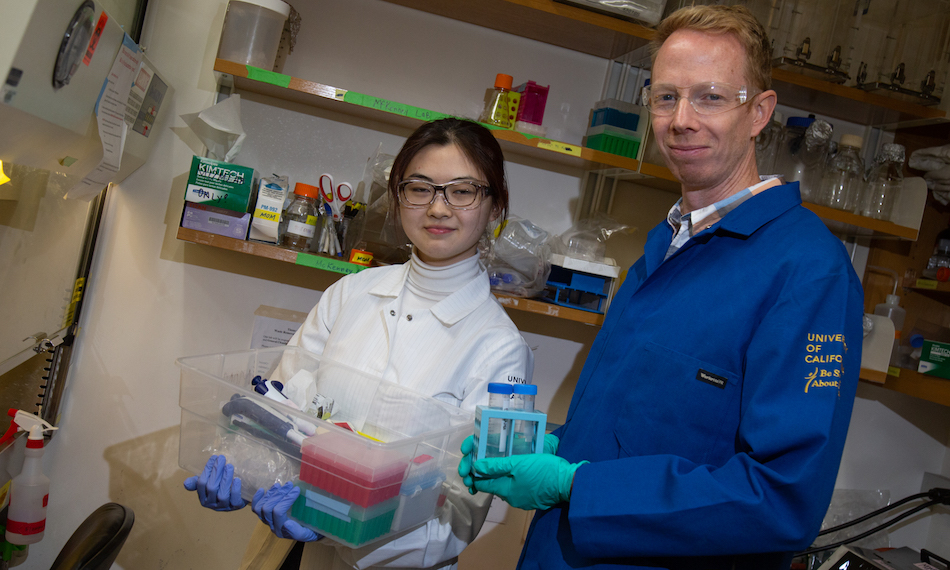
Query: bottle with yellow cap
(501, 104)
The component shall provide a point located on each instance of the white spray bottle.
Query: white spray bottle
(29, 491)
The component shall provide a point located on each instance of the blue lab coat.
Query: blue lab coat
(714, 403)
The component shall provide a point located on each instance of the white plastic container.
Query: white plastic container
(352, 485)
(891, 309)
(252, 30)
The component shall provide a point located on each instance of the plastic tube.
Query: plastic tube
(499, 397)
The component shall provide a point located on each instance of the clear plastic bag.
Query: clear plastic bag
(587, 239)
(518, 262)
(257, 466)
(381, 233)
(848, 505)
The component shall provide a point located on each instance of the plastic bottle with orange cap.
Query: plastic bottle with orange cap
(299, 221)
(501, 104)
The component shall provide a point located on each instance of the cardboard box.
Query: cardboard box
(213, 220)
(935, 359)
(271, 193)
(220, 184)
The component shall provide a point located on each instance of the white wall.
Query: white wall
(153, 299)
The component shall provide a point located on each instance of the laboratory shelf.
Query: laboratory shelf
(837, 220)
(337, 266)
(847, 219)
(876, 376)
(269, 251)
(927, 286)
(609, 37)
(923, 386)
(550, 309)
(847, 103)
(545, 21)
(318, 95)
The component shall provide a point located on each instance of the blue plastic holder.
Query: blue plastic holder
(577, 289)
(535, 421)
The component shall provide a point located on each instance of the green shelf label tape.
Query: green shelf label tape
(328, 264)
(926, 284)
(265, 76)
(392, 107)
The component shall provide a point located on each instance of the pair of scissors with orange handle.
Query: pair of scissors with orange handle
(335, 196)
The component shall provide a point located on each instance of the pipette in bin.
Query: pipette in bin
(268, 419)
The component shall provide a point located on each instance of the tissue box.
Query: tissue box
(220, 184)
(215, 220)
(935, 359)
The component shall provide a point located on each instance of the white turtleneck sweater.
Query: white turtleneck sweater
(427, 284)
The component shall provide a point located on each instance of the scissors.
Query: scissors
(335, 196)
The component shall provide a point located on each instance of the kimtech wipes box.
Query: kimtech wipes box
(935, 359)
(220, 184)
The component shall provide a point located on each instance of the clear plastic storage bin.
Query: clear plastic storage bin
(252, 30)
(355, 487)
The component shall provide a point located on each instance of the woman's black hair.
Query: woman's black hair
(476, 141)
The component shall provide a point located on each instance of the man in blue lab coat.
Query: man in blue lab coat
(708, 423)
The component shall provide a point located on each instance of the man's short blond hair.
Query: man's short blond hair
(716, 19)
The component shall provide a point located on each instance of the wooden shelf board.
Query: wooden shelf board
(921, 386)
(240, 245)
(875, 376)
(327, 97)
(545, 21)
(289, 256)
(928, 286)
(849, 219)
(847, 103)
(550, 309)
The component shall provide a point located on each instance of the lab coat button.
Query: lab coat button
(392, 313)
(408, 317)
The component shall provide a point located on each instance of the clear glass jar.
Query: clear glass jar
(802, 153)
(844, 176)
(884, 183)
(299, 221)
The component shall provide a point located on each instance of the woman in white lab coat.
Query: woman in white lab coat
(431, 324)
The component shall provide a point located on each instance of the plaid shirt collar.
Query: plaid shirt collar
(686, 226)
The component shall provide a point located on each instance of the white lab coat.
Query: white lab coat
(450, 352)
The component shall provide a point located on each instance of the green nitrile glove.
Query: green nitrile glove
(534, 481)
(468, 448)
(465, 465)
